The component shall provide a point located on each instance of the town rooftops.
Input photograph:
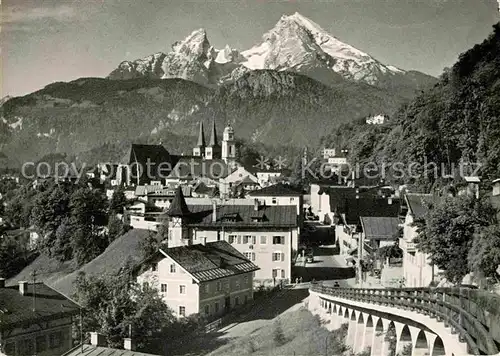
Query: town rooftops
(158, 190)
(417, 203)
(380, 227)
(276, 191)
(213, 260)
(197, 167)
(244, 216)
(16, 305)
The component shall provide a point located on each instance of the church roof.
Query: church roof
(201, 136)
(213, 136)
(197, 167)
(178, 206)
(141, 153)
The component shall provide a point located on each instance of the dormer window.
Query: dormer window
(234, 217)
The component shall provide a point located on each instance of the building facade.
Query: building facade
(208, 279)
(35, 320)
(266, 235)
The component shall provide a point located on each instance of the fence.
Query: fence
(473, 314)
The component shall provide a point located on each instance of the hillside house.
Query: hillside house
(209, 278)
(35, 320)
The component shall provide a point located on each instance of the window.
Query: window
(254, 240)
(291, 200)
(227, 285)
(182, 311)
(278, 240)
(219, 286)
(41, 343)
(207, 288)
(246, 239)
(55, 340)
(282, 273)
(239, 239)
(263, 240)
(154, 267)
(163, 288)
(237, 283)
(216, 307)
(231, 239)
(182, 289)
(278, 256)
(172, 268)
(27, 347)
(250, 256)
(207, 309)
(245, 280)
(237, 301)
(275, 273)
(10, 348)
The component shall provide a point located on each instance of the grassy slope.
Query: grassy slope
(61, 276)
(293, 333)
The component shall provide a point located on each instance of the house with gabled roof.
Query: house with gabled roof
(35, 320)
(266, 235)
(209, 278)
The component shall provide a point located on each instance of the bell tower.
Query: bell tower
(178, 212)
(212, 151)
(199, 150)
(228, 146)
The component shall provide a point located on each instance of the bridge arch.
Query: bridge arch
(438, 348)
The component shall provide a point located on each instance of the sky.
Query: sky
(44, 41)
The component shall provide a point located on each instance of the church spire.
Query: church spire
(213, 136)
(178, 207)
(201, 136)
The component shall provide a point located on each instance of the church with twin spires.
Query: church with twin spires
(225, 151)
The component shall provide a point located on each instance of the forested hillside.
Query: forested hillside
(458, 119)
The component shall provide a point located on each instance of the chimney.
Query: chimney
(389, 201)
(256, 205)
(23, 287)
(214, 211)
(97, 339)
(128, 344)
(2, 282)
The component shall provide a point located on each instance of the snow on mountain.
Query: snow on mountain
(296, 42)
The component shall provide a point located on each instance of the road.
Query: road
(326, 266)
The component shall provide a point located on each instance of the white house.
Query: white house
(208, 279)
(267, 235)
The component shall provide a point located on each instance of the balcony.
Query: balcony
(407, 246)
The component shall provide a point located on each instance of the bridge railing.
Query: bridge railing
(459, 308)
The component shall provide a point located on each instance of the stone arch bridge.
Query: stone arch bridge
(412, 321)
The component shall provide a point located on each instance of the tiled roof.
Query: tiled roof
(155, 190)
(276, 191)
(211, 261)
(271, 216)
(380, 227)
(141, 153)
(416, 203)
(178, 206)
(90, 350)
(17, 309)
(195, 167)
(380, 207)
(247, 180)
